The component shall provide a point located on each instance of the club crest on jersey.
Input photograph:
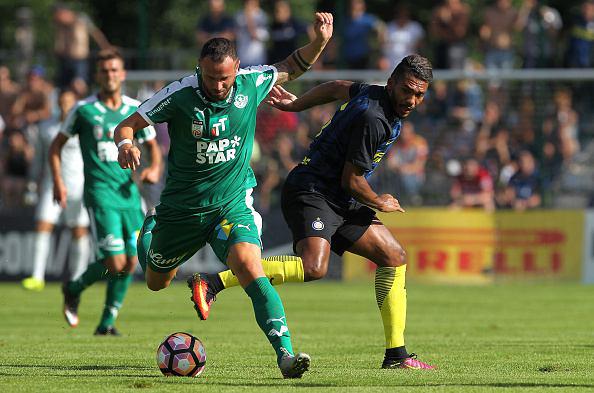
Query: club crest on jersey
(318, 224)
(241, 101)
(98, 131)
(197, 128)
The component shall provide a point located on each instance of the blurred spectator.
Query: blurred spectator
(490, 124)
(79, 87)
(216, 23)
(71, 44)
(473, 187)
(524, 188)
(567, 123)
(15, 164)
(401, 37)
(448, 30)
(408, 160)
(2, 127)
(33, 102)
(551, 158)
(251, 34)
(271, 122)
(497, 34)
(8, 94)
(540, 26)
(285, 32)
(24, 36)
(356, 35)
(581, 39)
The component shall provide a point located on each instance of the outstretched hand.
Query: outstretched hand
(282, 99)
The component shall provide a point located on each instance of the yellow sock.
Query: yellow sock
(279, 269)
(390, 294)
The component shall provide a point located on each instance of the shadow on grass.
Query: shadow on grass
(93, 367)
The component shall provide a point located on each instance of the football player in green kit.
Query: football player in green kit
(110, 194)
(207, 198)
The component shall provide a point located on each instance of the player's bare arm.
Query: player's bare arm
(152, 174)
(128, 154)
(302, 59)
(55, 161)
(321, 94)
(354, 182)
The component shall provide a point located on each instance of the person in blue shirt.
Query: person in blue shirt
(356, 35)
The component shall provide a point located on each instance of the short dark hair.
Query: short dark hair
(415, 65)
(109, 54)
(218, 49)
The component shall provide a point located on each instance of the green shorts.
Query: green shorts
(115, 230)
(171, 237)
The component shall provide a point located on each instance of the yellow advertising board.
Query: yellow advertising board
(473, 246)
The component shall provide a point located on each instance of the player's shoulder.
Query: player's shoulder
(259, 73)
(130, 101)
(86, 102)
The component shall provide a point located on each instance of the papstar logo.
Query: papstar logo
(241, 101)
(214, 152)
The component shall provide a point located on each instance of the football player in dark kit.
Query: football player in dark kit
(328, 202)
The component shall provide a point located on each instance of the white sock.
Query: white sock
(79, 256)
(40, 255)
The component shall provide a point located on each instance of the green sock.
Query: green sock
(117, 286)
(270, 315)
(95, 272)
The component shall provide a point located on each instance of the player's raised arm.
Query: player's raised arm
(128, 154)
(321, 94)
(303, 58)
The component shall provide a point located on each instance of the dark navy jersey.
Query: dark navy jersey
(360, 132)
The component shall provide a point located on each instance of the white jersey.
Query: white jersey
(72, 163)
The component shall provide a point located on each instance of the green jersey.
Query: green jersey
(211, 142)
(106, 184)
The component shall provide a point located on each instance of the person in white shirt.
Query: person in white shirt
(401, 37)
(48, 212)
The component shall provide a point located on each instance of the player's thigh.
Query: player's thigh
(107, 230)
(170, 238)
(75, 213)
(357, 221)
(132, 220)
(237, 222)
(378, 245)
(313, 222)
(47, 210)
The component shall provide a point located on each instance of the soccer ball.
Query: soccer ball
(182, 355)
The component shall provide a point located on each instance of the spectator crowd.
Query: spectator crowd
(489, 145)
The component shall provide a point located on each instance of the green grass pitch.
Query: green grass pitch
(514, 337)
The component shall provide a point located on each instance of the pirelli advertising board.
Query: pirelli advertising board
(469, 246)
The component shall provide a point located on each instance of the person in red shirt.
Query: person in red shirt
(473, 187)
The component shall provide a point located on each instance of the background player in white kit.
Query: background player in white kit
(48, 212)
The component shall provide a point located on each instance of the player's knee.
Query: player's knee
(397, 255)
(392, 255)
(314, 270)
(156, 285)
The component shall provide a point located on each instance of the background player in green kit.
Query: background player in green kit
(110, 194)
(207, 198)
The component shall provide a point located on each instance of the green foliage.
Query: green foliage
(517, 337)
